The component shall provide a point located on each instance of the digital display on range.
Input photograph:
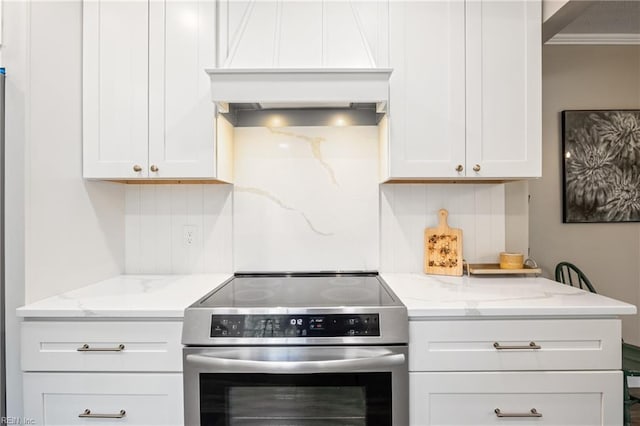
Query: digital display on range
(266, 326)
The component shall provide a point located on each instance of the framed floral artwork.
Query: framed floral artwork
(601, 167)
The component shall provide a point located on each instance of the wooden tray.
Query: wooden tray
(494, 269)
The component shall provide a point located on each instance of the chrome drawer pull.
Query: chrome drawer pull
(532, 413)
(87, 413)
(531, 345)
(87, 348)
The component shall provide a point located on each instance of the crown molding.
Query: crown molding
(595, 39)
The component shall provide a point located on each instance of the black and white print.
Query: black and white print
(601, 166)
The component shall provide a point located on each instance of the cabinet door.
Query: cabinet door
(181, 115)
(427, 95)
(58, 399)
(503, 71)
(562, 398)
(115, 89)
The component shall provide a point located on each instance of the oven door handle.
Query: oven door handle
(224, 365)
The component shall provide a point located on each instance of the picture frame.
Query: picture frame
(601, 166)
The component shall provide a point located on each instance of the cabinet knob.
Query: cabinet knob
(137, 168)
(476, 168)
(459, 168)
(154, 168)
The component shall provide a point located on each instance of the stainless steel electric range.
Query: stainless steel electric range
(301, 349)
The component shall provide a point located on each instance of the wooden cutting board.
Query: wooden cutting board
(443, 248)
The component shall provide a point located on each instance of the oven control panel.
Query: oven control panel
(267, 326)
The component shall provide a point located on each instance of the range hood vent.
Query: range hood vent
(286, 89)
(285, 115)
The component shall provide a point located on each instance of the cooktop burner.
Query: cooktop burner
(297, 309)
(306, 290)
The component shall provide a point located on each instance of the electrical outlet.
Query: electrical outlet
(188, 235)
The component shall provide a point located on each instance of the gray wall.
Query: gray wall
(585, 77)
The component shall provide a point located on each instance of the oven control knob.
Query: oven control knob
(352, 332)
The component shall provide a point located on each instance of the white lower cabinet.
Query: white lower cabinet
(102, 372)
(565, 398)
(65, 399)
(515, 371)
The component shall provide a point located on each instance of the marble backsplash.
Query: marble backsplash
(306, 198)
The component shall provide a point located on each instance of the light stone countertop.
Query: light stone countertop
(428, 296)
(131, 296)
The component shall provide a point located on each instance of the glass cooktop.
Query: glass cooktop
(309, 290)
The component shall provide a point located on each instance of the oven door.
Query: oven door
(301, 386)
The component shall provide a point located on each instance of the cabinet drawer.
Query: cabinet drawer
(479, 345)
(561, 398)
(60, 398)
(108, 346)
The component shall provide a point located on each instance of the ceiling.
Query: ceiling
(607, 17)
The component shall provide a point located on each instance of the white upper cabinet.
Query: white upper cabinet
(504, 88)
(465, 96)
(427, 95)
(181, 128)
(303, 34)
(115, 89)
(147, 110)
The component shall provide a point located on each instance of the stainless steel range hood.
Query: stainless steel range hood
(296, 89)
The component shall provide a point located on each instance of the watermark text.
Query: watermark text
(17, 421)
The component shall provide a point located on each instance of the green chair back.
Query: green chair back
(570, 274)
